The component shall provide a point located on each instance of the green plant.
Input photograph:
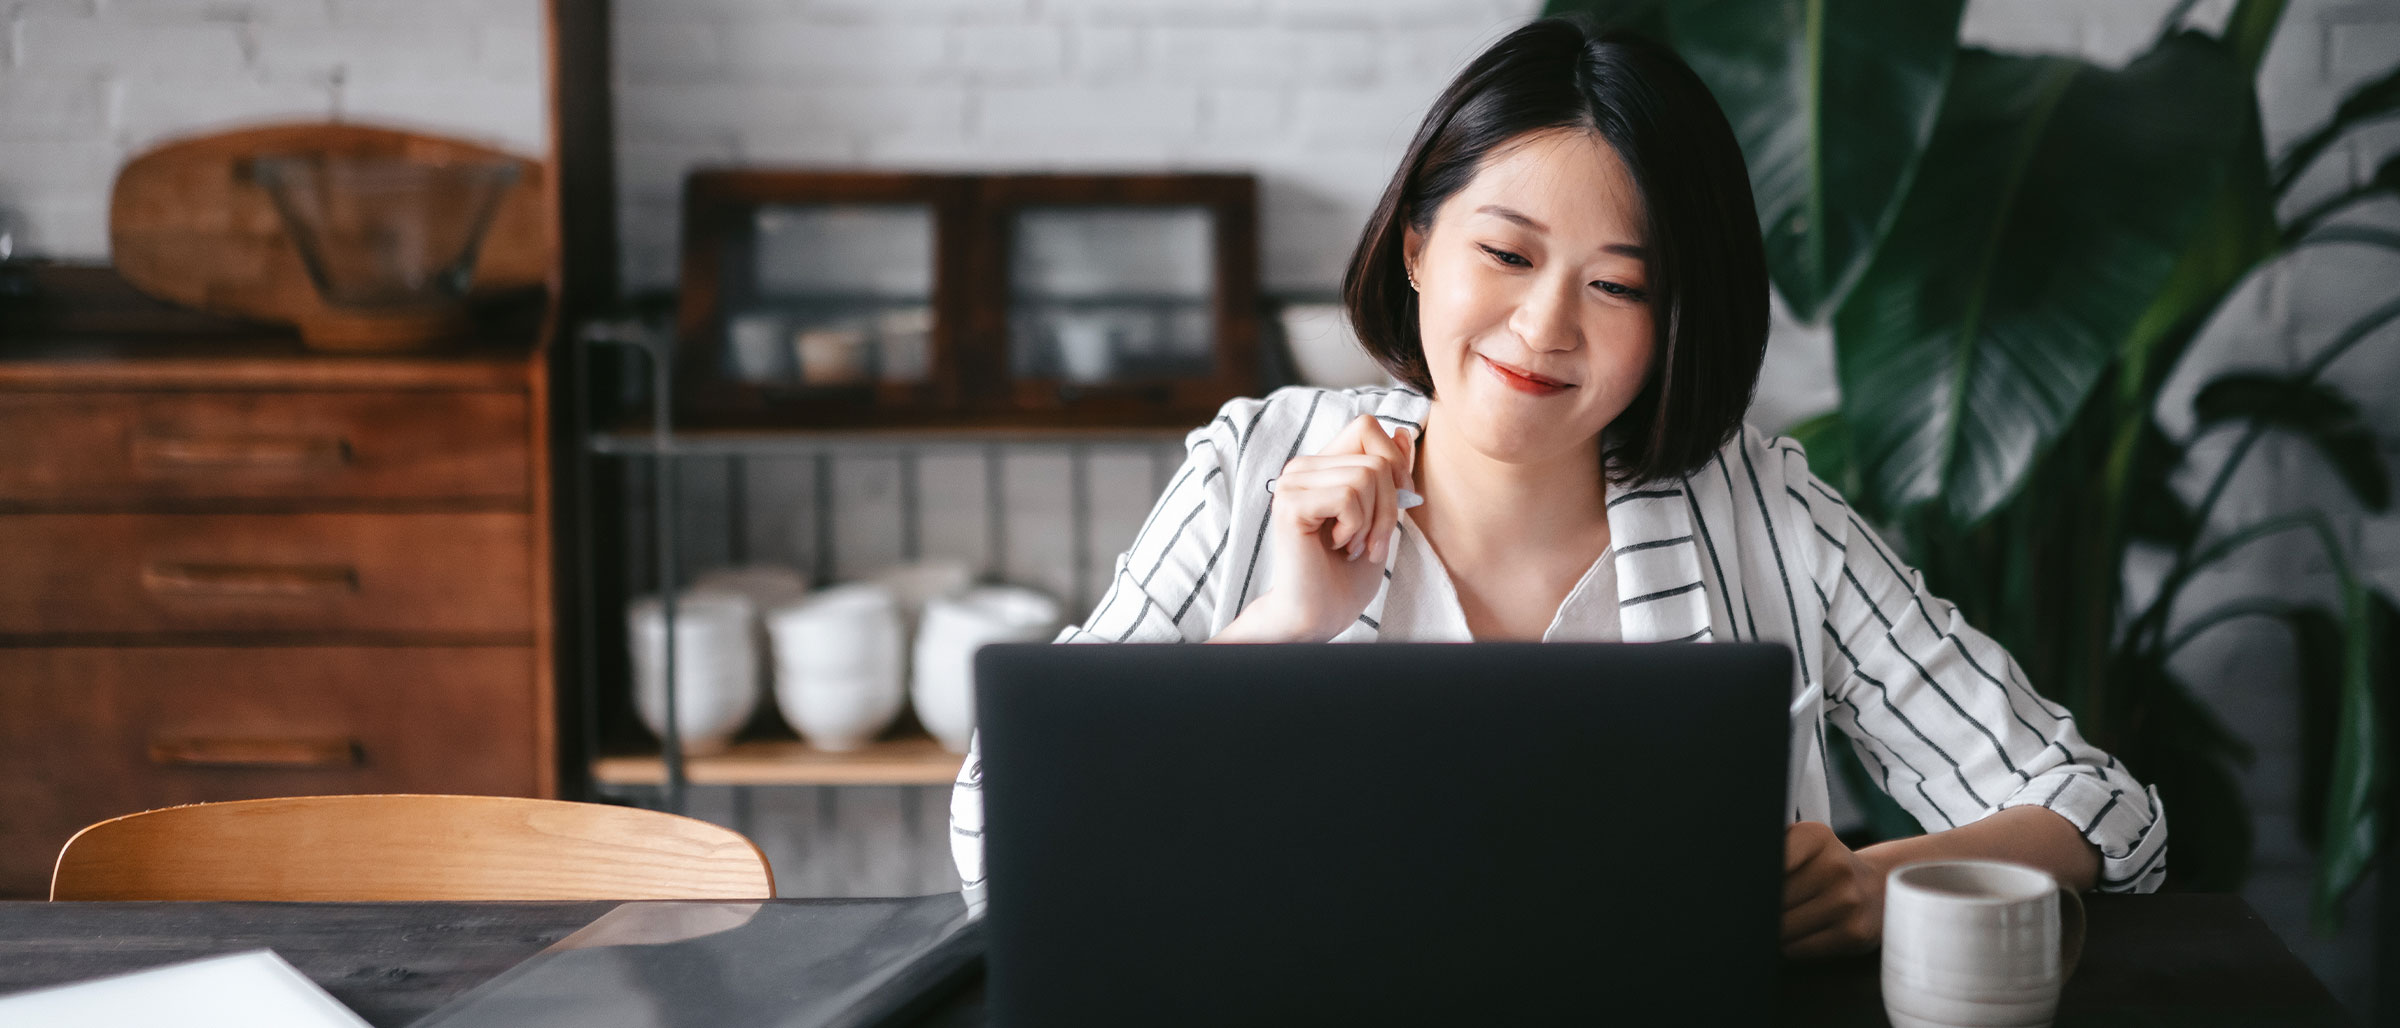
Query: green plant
(2014, 253)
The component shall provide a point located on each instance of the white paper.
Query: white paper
(254, 989)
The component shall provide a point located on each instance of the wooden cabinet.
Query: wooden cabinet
(847, 300)
(235, 569)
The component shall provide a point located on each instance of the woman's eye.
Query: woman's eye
(1505, 257)
(1627, 292)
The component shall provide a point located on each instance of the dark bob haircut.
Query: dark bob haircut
(1707, 267)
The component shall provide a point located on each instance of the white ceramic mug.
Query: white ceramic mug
(1977, 943)
(838, 676)
(1086, 348)
(716, 667)
(756, 345)
(943, 687)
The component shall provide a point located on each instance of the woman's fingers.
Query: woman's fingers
(1387, 461)
(1372, 475)
(1351, 439)
(1378, 444)
(1341, 502)
(1375, 443)
(1815, 912)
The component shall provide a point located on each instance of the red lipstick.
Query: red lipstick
(1524, 381)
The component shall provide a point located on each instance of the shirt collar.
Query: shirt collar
(1660, 592)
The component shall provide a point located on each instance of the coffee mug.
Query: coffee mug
(1976, 943)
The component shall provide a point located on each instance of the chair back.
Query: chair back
(408, 848)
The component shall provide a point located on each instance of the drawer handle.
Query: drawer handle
(249, 579)
(263, 453)
(207, 752)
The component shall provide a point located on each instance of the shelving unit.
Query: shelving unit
(906, 758)
(903, 760)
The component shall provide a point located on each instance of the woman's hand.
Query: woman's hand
(1832, 899)
(1333, 519)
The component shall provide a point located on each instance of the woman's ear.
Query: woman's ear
(1412, 244)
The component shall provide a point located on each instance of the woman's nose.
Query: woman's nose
(1545, 317)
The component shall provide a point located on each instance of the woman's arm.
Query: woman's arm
(1833, 897)
(1946, 722)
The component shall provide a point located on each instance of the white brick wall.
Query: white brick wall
(86, 84)
(1316, 96)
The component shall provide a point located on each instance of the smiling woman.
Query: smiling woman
(1567, 278)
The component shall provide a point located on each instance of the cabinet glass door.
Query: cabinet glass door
(1112, 294)
(837, 295)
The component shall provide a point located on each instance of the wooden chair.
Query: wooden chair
(407, 847)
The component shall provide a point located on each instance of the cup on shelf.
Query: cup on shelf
(1086, 347)
(943, 686)
(838, 674)
(832, 354)
(716, 667)
(904, 344)
(755, 345)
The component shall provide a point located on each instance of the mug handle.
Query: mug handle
(2070, 932)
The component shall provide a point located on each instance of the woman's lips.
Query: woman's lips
(1524, 381)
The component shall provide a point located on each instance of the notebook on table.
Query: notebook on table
(251, 989)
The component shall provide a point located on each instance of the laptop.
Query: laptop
(1487, 833)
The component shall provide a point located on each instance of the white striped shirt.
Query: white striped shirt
(1751, 547)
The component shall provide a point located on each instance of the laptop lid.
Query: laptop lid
(1386, 834)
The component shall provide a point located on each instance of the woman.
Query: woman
(1566, 273)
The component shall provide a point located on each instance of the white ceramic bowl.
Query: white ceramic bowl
(943, 685)
(838, 674)
(716, 667)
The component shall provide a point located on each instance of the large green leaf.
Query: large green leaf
(1833, 101)
(2353, 819)
(2250, 29)
(2377, 99)
(2052, 208)
(2312, 409)
(1827, 442)
(2154, 511)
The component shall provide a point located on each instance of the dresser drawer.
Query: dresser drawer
(381, 573)
(91, 733)
(74, 447)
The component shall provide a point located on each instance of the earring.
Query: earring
(1412, 279)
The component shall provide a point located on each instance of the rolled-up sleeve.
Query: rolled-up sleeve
(1945, 719)
(1160, 594)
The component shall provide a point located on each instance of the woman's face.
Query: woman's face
(1533, 298)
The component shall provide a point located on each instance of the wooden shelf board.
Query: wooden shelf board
(907, 760)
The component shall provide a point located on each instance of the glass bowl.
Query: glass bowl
(390, 243)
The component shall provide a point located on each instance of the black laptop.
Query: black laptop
(1487, 833)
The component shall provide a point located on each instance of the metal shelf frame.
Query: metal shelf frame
(664, 447)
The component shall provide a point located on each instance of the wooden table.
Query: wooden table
(2181, 960)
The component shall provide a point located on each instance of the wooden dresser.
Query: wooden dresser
(233, 568)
